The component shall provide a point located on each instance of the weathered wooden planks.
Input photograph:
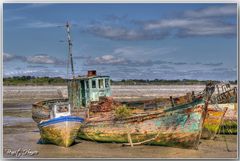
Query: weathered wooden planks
(178, 127)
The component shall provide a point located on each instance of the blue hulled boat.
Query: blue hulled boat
(62, 128)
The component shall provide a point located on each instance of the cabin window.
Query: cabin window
(62, 109)
(93, 83)
(106, 83)
(100, 83)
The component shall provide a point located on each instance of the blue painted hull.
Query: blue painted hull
(60, 131)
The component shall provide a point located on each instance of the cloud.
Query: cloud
(40, 24)
(178, 63)
(158, 71)
(127, 72)
(18, 68)
(81, 57)
(208, 21)
(9, 57)
(224, 70)
(14, 18)
(129, 56)
(124, 33)
(220, 11)
(23, 7)
(133, 53)
(37, 5)
(44, 59)
(118, 61)
(107, 60)
(113, 17)
(194, 27)
(172, 23)
(213, 64)
(216, 29)
(121, 61)
(121, 68)
(34, 59)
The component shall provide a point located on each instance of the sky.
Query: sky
(124, 41)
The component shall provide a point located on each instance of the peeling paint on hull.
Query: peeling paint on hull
(212, 123)
(181, 126)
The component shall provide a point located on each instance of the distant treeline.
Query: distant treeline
(31, 80)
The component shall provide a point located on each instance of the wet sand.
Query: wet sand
(21, 132)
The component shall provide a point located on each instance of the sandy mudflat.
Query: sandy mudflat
(25, 93)
(20, 131)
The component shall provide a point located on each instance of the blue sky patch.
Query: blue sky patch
(124, 41)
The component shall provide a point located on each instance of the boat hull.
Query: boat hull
(230, 121)
(212, 124)
(221, 118)
(41, 110)
(60, 131)
(179, 127)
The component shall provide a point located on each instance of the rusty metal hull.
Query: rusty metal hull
(178, 126)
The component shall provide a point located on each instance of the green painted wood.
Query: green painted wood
(180, 126)
(82, 91)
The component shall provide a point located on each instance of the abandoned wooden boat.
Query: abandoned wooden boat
(41, 110)
(224, 94)
(215, 115)
(212, 124)
(222, 111)
(180, 125)
(82, 91)
(229, 122)
(62, 128)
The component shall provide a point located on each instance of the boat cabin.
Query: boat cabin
(85, 89)
(60, 109)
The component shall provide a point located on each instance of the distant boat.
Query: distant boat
(62, 128)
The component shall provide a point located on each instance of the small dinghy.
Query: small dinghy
(62, 128)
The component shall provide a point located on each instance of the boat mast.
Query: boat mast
(70, 59)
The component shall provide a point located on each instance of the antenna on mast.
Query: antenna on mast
(70, 59)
